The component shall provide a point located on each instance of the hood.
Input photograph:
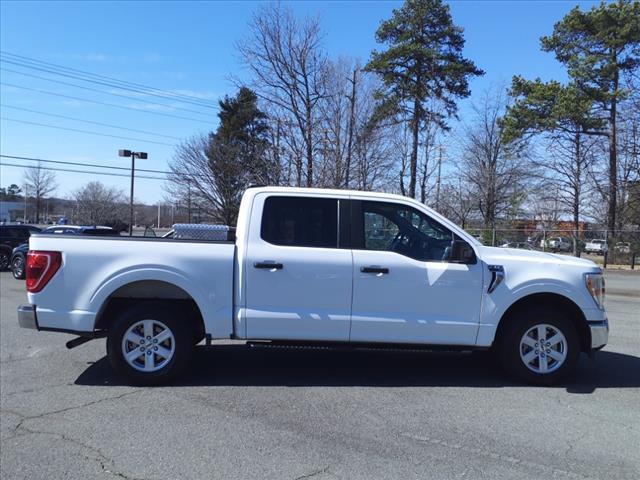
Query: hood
(501, 255)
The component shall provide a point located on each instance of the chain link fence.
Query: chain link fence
(622, 248)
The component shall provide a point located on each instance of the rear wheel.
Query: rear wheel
(17, 267)
(149, 344)
(541, 345)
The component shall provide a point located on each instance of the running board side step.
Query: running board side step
(360, 346)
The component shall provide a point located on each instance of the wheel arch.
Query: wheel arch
(552, 300)
(157, 291)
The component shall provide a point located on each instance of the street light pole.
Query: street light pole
(133, 155)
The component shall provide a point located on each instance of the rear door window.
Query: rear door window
(300, 222)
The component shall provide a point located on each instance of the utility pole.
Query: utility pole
(24, 216)
(158, 224)
(189, 201)
(352, 120)
(133, 155)
(438, 180)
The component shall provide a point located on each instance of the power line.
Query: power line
(81, 74)
(113, 167)
(56, 69)
(85, 131)
(128, 97)
(88, 121)
(47, 92)
(68, 170)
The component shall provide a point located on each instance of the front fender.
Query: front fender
(496, 304)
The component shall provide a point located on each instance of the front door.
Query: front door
(298, 276)
(405, 289)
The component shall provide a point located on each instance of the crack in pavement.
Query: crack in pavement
(68, 409)
(106, 464)
(495, 456)
(314, 473)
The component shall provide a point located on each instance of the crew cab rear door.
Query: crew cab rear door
(298, 276)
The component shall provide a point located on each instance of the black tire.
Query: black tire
(17, 267)
(510, 345)
(4, 259)
(180, 328)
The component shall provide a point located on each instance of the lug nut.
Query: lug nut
(142, 349)
(148, 337)
(548, 350)
(155, 340)
(537, 351)
(148, 352)
(548, 344)
(142, 342)
(155, 348)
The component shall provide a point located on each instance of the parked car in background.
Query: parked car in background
(559, 244)
(10, 237)
(19, 254)
(622, 247)
(597, 246)
(96, 230)
(521, 245)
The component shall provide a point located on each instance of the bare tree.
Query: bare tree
(458, 202)
(288, 65)
(97, 204)
(40, 182)
(493, 168)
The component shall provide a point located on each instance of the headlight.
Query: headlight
(595, 286)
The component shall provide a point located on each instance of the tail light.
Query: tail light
(41, 266)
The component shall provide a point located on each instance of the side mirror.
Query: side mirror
(461, 252)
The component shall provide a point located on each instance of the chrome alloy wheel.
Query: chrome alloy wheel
(543, 348)
(148, 345)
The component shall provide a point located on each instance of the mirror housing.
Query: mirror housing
(461, 252)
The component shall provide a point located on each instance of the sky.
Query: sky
(189, 48)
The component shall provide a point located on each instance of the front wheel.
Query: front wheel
(541, 346)
(149, 344)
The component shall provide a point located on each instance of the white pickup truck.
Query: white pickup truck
(310, 266)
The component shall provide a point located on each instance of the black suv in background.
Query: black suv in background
(10, 237)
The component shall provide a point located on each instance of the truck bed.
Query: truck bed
(97, 268)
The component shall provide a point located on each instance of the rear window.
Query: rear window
(300, 222)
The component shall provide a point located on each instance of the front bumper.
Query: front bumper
(599, 333)
(27, 317)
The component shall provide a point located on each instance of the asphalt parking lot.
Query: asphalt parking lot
(294, 414)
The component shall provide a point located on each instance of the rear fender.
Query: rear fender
(216, 312)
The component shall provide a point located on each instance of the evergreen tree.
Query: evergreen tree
(237, 152)
(599, 47)
(423, 61)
